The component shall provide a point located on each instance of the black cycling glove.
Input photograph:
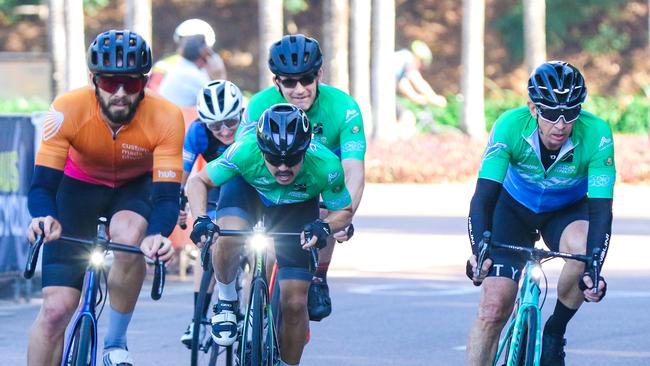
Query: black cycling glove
(202, 225)
(320, 229)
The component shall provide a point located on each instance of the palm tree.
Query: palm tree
(270, 30)
(383, 79)
(473, 116)
(360, 60)
(335, 44)
(534, 33)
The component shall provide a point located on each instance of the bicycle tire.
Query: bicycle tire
(80, 354)
(198, 348)
(258, 304)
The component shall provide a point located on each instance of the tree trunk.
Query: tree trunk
(534, 33)
(77, 73)
(335, 44)
(383, 76)
(360, 60)
(473, 115)
(57, 45)
(270, 28)
(137, 18)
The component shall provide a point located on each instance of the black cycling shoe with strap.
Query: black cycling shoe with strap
(319, 303)
(553, 350)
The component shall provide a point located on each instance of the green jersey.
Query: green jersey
(584, 165)
(335, 119)
(321, 174)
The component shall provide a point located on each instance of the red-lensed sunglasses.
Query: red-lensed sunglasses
(111, 84)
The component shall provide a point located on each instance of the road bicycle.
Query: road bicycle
(258, 339)
(81, 345)
(521, 344)
(204, 351)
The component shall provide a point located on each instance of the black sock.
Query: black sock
(206, 303)
(556, 323)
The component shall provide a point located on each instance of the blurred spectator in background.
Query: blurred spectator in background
(411, 85)
(188, 29)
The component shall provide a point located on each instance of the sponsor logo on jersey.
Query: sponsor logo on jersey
(300, 187)
(604, 143)
(331, 177)
(493, 149)
(350, 114)
(609, 161)
(261, 180)
(52, 123)
(134, 152)
(299, 195)
(167, 174)
(601, 180)
(566, 169)
(353, 146)
(355, 129)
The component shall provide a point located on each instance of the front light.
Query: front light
(259, 241)
(536, 273)
(97, 258)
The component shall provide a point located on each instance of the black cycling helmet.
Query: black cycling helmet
(283, 130)
(295, 55)
(557, 84)
(119, 52)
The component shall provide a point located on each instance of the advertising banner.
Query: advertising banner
(16, 168)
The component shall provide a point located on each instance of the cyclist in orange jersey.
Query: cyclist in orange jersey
(111, 149)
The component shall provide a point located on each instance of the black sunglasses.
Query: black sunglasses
(289, 160)
(553, 115)
(304, 81)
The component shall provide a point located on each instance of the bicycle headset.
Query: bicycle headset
(283, 130)
(119, 52)
(295, 55)
(557, 84)
(219, 100)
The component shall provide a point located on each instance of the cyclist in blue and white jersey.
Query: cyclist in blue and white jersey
(219, 106)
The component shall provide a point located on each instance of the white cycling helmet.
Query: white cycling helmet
(195, 27)
(219, 100)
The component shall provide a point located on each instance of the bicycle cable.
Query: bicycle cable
(545, 284)
(102, 296)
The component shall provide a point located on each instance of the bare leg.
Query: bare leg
(46, 336)
(295, 321)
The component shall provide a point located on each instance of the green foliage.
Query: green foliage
(567, 23)
(23, 105)
(626, 114)
(295, 6)
(7, 6)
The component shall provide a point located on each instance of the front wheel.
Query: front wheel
(258, 343)
(203, 350)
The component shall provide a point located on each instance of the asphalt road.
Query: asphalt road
(384, 321)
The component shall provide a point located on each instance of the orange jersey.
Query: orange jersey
(78, 141)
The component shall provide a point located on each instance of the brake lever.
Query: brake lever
(158, 278)
(594, 270)
(482, 255)
(32, 256)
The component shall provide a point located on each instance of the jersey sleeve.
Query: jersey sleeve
(353, 137)
(58, 131)
(167, 155)
(602, 168)
(227, 165)
(195, 143)
(335, 195)
(497, 155)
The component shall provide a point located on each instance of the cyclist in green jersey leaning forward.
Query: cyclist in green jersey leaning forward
(555, 163)
(281, 174)
(336, 120)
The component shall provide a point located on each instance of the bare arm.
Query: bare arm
(339, 219)
(354, 171)
(197, 192)
(424, 89)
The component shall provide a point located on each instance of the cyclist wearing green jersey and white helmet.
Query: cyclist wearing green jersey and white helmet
(281, 173)
(296, 62)
(555, 163)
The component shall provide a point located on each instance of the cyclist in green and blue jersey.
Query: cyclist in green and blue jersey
(548, 168)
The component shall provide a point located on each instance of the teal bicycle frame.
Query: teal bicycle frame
(523, 338)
